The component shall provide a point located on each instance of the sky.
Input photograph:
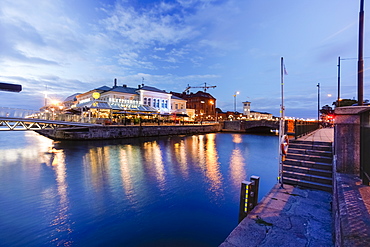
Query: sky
(62, 47)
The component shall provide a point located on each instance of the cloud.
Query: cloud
(147, 27)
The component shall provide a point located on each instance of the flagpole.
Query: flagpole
(281, 125)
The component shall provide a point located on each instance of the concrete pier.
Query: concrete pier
(118, 132)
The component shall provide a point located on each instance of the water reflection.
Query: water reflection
(61, 222)
(237, 162)
(237, 138)
(99, 193)
(237, 167)
(213, 166)
(153, 158)
(126, 174)
(181, 158)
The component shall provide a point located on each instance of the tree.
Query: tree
(344, 102)
(326, 110)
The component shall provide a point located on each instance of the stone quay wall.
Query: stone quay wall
(119, 132)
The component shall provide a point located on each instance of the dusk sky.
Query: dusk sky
(70, 46)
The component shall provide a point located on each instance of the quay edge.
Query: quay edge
(120, 132)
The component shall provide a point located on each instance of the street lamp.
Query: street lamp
(318, 102)
(236, 93)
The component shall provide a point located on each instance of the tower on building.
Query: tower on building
(247, 108)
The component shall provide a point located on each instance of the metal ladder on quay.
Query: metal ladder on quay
(309, 164)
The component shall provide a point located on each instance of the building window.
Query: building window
(158, 103)
(154, 102)
(176, 106)
(149, 99)
(166, 104)
(145, 101)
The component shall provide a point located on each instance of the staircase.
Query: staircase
(309, 164)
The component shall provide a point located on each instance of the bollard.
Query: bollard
(256, 184)
(248, 196)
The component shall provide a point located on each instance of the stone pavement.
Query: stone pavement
(323, 135)
(287, 216)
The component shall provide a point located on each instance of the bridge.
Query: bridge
(254, 125)
(292, 127)
(12, 123)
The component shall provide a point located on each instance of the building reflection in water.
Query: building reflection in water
(181, 158)
(154, 159)
(126, 175)
(61, 224)
(237, 162)
(213, 166)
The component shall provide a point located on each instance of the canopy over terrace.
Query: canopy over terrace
(129, 108)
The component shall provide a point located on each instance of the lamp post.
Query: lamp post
(236, 93)
(318, 102)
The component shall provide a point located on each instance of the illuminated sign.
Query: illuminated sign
(96, 95)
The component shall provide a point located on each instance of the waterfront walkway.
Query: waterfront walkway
(293, 216)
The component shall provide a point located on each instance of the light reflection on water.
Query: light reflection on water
(181, 190)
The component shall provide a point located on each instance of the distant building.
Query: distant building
(247, 114)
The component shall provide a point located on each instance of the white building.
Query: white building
(123, 98)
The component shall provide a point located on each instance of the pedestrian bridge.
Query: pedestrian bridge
(12, 123)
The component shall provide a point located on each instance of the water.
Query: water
(170, 191)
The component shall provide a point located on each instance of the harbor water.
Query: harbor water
(167, 191)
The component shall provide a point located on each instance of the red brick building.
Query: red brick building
(203, 103)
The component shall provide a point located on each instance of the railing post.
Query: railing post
(295, 129)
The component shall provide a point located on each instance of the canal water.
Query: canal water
(168, 191)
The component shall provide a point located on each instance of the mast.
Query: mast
(282, 123)
(360, 66)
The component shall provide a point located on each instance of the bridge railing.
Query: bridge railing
(15, 112)
(302, 127)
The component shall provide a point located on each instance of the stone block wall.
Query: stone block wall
(118, 132)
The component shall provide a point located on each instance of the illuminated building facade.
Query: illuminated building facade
(202, 103)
